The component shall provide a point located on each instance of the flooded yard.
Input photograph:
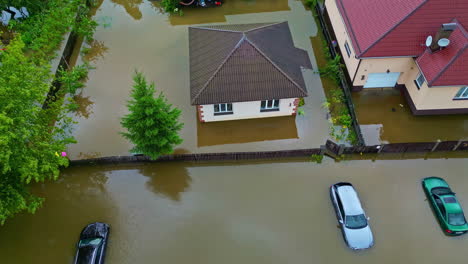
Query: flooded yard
(385, 117)
(136, 35)
(249, 212)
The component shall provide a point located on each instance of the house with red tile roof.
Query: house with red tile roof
(245, 71)
(418, 46)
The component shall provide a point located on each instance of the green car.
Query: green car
(445, 205)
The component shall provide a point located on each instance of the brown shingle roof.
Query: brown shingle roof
(249, 62)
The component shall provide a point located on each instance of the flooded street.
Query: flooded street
(251, 212)
(136, 35)
(385, 117)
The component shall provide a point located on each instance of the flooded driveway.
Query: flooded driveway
(136, 35)
(251, 212)
(385, 117)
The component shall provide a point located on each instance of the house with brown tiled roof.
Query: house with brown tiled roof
(245, 71)
(418, 46)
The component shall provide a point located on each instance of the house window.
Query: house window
(348, 50)
(269, 105)
(462, 94)
(419, 81)
(223, 109)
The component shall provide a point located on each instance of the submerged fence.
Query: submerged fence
(330, 149)
(344, 82)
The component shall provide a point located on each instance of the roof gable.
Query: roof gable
(251, 62)
(369, 20)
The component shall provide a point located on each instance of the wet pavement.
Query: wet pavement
(136, 35)
(385, 117)
(250, 212)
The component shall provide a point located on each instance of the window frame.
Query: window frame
(226, 110)
(348, 49)
(418, 85)
(462, 91)
(265, 105)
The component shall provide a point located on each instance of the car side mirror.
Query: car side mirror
(368, 218)
(341, 221)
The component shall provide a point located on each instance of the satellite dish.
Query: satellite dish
(428, 41)
(443, 42)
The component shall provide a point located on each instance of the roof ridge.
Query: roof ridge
(395, 26)
(461, 51)
(219, 68)
(277, 67)
(268, 24)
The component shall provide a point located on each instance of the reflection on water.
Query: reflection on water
(132, 7)
(96, 51)
(85, 105)
(262, 212)
(192, 15)
(167, 179)
(389, 109)
(247, 130)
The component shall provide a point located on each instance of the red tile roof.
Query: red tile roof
(448, 66)
(397, 28)
(385, 28)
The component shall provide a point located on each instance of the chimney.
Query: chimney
(444, 32)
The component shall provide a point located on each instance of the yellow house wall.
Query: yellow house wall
(401, 65)
(434, 97)
(342, 37)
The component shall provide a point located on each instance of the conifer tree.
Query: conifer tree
(152, 124)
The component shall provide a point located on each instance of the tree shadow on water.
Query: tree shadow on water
(131, 7)
(169, 179)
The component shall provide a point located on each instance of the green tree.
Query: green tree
(152, 124)
(31, 138)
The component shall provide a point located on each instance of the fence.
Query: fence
(344, 83)
(330, 149)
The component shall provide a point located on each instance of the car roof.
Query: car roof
(350, 200)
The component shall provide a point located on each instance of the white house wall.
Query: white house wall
(247, 110)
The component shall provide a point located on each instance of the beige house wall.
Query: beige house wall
(401, 65)
(342, 37)
(247, 110)
(432, 98)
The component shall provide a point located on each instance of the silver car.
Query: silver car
(353, 221)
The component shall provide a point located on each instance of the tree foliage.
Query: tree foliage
(30, 137)
(152, 124)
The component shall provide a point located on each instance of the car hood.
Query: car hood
(359, 238)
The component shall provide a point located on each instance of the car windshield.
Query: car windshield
(456, 219)
(356, 221)
(441, 191)
(90, 242)
(86, 255)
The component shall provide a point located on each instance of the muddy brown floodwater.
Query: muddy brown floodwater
(136, 35)
(251, 212)
(385, 117)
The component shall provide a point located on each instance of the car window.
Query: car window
(441, 191)
(340, 205)
(456, 219)
(440, 205)
(356, 221)
(86, 255)
(90, 242)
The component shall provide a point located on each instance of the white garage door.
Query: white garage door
(378, 80)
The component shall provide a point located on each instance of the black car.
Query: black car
(92, 244)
